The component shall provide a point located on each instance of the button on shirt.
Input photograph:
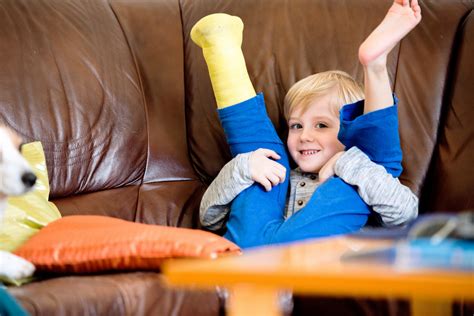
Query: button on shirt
(302, 187)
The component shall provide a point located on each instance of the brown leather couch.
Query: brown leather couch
(121, 100)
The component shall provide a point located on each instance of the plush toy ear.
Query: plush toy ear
(16, 139)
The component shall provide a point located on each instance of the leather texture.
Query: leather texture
(121, 100)
(136, 293)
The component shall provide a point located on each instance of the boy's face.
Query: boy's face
(312, 135)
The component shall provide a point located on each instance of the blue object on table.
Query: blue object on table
(443, 241)
(424, 252)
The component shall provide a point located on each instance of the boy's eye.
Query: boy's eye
(321, 125)
(296, 126)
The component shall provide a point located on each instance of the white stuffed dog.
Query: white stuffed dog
(16, 178)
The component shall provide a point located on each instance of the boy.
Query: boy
(394, 203)
(257, 215)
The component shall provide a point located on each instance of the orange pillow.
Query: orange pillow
(97, 243)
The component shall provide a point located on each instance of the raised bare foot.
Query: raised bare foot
(217, 28)
(401, 18)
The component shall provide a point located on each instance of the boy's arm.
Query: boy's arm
(257, 166)
(382, 145)
(395, 202)
(233, 178)
(374, 133)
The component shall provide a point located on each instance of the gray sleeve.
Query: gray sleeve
(233, 178)
(395, 202)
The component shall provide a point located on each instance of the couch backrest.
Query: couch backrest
(121, 100)
(100, 84)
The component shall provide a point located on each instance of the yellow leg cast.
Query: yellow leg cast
(220, 37)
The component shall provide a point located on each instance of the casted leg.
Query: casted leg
(220, 37)
(242, 112)
(244, 119)
(248, 128)
(335, 208)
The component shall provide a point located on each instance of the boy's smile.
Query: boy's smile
(312, 136)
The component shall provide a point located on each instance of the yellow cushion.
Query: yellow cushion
(25, 215)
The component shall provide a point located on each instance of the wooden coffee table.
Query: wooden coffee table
(321, 267)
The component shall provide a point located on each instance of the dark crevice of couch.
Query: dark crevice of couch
(140, 80)
(201, 175)
(427, 190)
(142, 94)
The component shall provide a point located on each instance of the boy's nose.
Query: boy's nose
(306, 136)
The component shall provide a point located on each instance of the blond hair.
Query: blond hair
(343, 87)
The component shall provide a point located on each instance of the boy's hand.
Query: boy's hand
(264, 170)
(327, 170)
